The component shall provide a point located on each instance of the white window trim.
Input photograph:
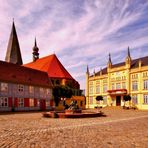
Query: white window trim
(20, 88)
(3, 98)
(20, 101)
(5, 89)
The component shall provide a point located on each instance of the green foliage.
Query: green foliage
(127, 98)
(99, 98)
(61, 92)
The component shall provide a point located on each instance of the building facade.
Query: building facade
(117, 80)
(30, 86)
(23, 89)
(55, 70)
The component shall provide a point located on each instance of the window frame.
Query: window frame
(21, 88)
(145, 84)
(134, 85)
(20, 102)
(4, 100)
(4, 87)
(145, 99)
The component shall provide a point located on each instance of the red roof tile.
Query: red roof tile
(51, 65)
(18, 74)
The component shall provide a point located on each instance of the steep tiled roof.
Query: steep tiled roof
(134, 64)
(18, 74)
(144, 62)
(51, 65)
(13, 54)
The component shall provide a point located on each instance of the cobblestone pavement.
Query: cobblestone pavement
(120, 128)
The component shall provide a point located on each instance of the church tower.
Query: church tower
(35, 52)
(13, 54)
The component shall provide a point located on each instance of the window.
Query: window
(123, 85)
(145, 84)
(20, 102)
(4, 87)
(3, 102)
(104, 88)
(118, 85)
(31, 89)
(91, 89)
(145, 97)
(31, 102)
(48, 91)
(48, 103)
(105, 100)
(38, 102)
(145, 75)
(90, 100)
(20, 88)
(135, 99)
(134, 85)
(41, 90)
(98, 89)
(113, 86)
(134, 76)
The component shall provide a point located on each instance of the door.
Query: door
(42, 104)
(118, 100)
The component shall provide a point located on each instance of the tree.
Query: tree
(99, 98)
(61, 92)
(126, 98)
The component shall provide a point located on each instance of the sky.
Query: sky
(79, 32)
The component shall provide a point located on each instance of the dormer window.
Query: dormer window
(4, 87)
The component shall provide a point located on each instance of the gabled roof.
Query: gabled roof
(13, 54)
(22, 75)
(51, 65)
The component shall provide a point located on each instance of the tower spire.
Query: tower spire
(35, 44)
(128, 52)
(35, 51)
(87, 71)
(128, 58)
(109, 61)
(13, 54)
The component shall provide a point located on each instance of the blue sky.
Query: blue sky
(79, 32)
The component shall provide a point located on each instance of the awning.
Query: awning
(117, 91)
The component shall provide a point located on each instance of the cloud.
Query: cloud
(80, 33)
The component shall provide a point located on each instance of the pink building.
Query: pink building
(24, 89)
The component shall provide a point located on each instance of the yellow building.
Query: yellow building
(117, 80)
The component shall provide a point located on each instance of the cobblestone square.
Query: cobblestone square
(120, 128)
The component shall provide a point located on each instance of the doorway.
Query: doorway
(118, 100)
(42, 104)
